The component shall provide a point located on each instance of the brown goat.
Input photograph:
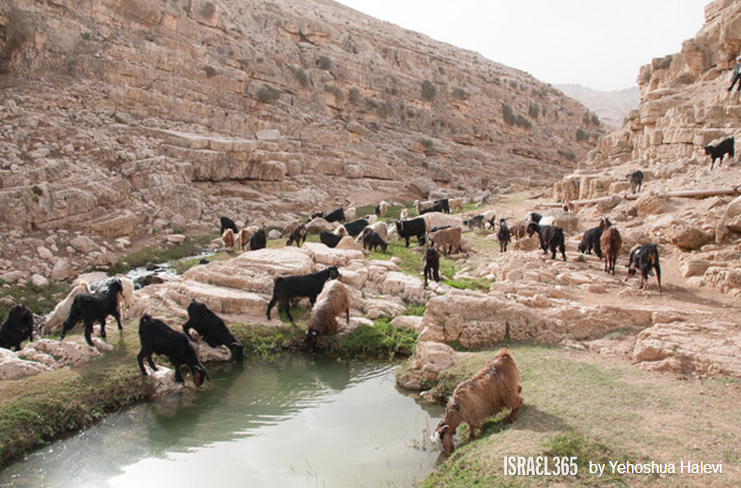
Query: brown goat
(495, 387)
(518, 231)
(228, 239)
(610, 243)
(332, 301)
(448, 240)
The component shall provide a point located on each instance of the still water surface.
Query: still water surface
(293, 422)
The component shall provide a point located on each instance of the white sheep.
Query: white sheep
(61, 311)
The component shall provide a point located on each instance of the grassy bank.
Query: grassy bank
(597, 412)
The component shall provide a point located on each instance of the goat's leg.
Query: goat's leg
(287, 309)
(178, 376)
(88, 332)
(102, 329)
(117, 316)
(151, 362)
(140, 360)
(270, 306)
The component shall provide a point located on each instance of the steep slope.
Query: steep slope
(117, 113)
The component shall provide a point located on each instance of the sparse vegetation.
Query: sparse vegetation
(324, 63)
(268, 94)
(429, 92)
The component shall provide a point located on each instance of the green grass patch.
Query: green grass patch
(39, 300)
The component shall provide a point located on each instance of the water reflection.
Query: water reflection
(293, 422)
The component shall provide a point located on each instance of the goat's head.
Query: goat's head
(237, 351)
(310, 339)
(443, 437)
(116, 287)
(532, 228)
(333, 272)
(197, 370)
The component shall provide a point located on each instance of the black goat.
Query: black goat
(644, 257)
(17, 327)
(336, 215)
(91, 307)
(372, 239)
(258, 240)
(412, 228)
(442, 205)
(533, 217)
(431, 265)
(551, 238)
(355, 227)
(211, 328)
(157, 337)
(298, 235)
(475, 221)
(310, 285)
(726, 146)
(503, 235)
(329, 239)
(636, 180)
(590, 241)
(227, 223)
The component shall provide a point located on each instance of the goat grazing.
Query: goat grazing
(61, 311)
(495, 387)
(298, 235)
(91, 307)
(503, 235)
(211, 328)
(415, 227)
(636, 180)
(332, 302)
(644, 257)
(372, 239)
(551, 238)
(610, 243)
(227, 223)
(17, 327)
(310, 285)
(157, 337)
(726, 146)
(448, 240)
(258, 240)
(431, 265)
(381, 209)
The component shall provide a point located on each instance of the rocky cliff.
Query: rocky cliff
(116, 114)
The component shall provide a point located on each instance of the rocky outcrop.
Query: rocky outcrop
(116, 117)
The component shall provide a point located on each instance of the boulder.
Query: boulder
(688, 237)
(62, 270)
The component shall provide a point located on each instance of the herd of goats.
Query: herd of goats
(492, 389)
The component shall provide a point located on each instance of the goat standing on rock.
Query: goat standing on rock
(726, 146)
(551, 237)
(92, 307)
(211, 328)
(310, 285)
(495, 387)
(159, 338)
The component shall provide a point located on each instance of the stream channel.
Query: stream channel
(292, 422)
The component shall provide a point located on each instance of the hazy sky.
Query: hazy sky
(596, 43)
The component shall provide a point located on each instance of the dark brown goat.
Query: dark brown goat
(610, 243)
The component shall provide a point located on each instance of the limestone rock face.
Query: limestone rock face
(194, 108)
